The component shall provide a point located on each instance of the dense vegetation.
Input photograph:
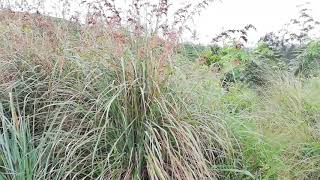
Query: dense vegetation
(105, 101)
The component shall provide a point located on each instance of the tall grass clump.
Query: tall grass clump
(94, 102)
(272, 128)
(276, 131)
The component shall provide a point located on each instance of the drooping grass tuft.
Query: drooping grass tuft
(104, 112)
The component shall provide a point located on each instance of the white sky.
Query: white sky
(265, 15)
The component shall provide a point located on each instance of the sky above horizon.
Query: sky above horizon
(265, 15)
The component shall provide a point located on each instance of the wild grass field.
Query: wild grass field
(101, 100)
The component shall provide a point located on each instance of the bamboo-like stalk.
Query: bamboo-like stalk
(13, 113)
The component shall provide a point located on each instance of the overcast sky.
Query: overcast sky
(266, 15)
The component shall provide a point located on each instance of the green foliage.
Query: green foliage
(18, 157)
(226, 57)
(309, 60)
(239, 99)
(230, 62)
(192, 51)
(264, 52)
